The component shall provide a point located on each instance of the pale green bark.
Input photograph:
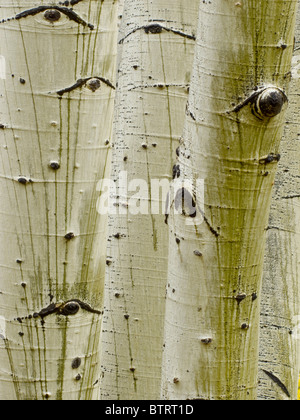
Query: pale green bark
(156, 55)
(280, 315)
(215, 268)
(56, 114)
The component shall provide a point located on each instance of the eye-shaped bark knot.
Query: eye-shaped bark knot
(52, 15)
(269, 103)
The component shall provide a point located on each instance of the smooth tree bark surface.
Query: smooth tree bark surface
(236, 116)
(280, 315)
(156, 55)
(56, 109)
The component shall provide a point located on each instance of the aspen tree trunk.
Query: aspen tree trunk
(280, 315)
(231, 141)
(56, 114)
(156, 49)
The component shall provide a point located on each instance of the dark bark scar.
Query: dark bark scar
(81, 82)
(156, 28)
(263, 107)
(64, 10)
(71, 307)
(271, 158)
(278, 382)
(70, 2)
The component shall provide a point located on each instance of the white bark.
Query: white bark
(215, 268)
(156, 54)
(56, 114)
(280, 315)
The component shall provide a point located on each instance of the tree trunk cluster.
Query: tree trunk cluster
(149, 215)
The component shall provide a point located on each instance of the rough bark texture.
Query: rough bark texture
(154, 74)
(215, 268)
(56, 120)
(280, 316)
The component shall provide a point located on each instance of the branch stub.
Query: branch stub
(270, 102)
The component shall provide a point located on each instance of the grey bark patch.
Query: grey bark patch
(81, 82)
